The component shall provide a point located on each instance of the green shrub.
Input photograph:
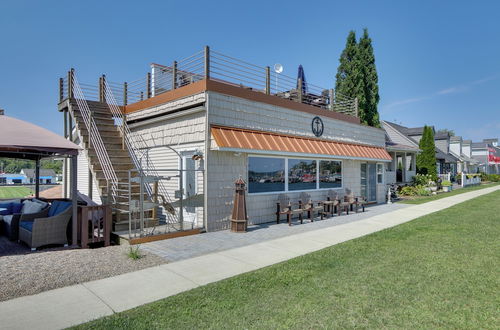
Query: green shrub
(425, 180)
(422, 191)
(415, 191)
(446, 183)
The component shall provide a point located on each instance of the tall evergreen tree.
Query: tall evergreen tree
(357, 77)
(348, 76)
(368, 98)
(426, 160)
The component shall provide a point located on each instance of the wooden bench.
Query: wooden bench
(354, 201)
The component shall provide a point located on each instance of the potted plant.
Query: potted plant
(446, 185)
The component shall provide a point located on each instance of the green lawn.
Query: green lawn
(439, 271)
(14, 192)
(425, 199)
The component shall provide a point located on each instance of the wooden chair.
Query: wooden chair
(284, 206)
(354, 201)
(310, 206)
(343, 205)
(331, 202)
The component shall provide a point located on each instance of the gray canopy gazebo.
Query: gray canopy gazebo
(23, 140)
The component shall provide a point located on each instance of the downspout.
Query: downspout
(205, 177)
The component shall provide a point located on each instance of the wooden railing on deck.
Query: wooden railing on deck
(94, 225)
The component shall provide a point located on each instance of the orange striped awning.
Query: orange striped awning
(241, 139)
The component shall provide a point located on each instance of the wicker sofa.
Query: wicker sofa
(49, 229)
(11, 222)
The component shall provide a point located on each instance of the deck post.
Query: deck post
(356, 107)
(74, 197)
(65, 163)
(125, 91)
(207, 62)
(331, 96)
(268, 80)
(148, 85)
(174, 75)
(100, 89)
(70, 83)
(300, 89)
(37, 178)
(61, 89)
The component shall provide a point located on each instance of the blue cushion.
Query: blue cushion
(8, 207)
(28, 225)
(58, 207)
(16, 207)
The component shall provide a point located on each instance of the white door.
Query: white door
(190, 187)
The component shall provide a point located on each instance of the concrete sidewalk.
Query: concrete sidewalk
(80, 303)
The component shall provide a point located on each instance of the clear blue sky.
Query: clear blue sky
(438, 61)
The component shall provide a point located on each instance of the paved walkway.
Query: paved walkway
(193, 246)
(76, 304)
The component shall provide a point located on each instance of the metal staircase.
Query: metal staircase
(114, 157)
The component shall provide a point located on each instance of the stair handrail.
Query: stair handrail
(137, 146)
(95, 138)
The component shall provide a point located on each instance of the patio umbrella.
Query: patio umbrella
(301, 75)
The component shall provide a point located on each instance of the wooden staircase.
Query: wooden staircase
(119, 156)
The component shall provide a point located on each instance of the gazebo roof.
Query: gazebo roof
(20, 139)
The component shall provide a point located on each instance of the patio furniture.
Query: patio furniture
(354, 201)
(47, 230)
(310, 206)
(284, 206)
(331, 202)
(11, 222)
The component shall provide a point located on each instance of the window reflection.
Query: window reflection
(330, 174)
(301, 174)
(266, 174)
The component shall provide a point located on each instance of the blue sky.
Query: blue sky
(438, 61)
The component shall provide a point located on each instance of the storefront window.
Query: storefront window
(330, 174)
(266, 174)
(301, 174)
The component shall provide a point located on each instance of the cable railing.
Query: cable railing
(94, 137)
(137, 147)
(213, 65)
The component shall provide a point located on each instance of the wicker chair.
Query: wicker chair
(49, 230)
(11, 222)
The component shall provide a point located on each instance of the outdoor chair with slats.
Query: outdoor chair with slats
(285, 206)
(311, 207)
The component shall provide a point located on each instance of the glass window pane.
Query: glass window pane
(380, 173)
(266, 174)
(330, 174)
(301, 174)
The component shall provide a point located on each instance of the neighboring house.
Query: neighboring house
(12, 178)
(461, 150)
(403, 151)
(47, 176)
(280, 142)
(487, 154)
(446, 161)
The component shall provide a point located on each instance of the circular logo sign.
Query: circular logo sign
(317, 126)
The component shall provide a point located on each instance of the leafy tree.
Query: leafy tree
(369, 97)
(357, 77)
(348, 76)
(12, 165)
(426, 160)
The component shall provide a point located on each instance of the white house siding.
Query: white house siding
(396, 137)
(237, 112)
(83, 177)
(443, 145)
(184, 133)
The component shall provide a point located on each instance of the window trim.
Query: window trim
(286, 174)
(382, 174)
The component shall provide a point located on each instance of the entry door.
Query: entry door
(369, 181)
(189, 187)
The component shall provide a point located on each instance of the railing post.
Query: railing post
(103, 88)
(300, 90)
(61, 89)
(174, 75)
(125, 91)
(100, 90)
(356, 107)
(331, 96)
(207, 62)
(70, 83)
(268, 80)
(148, 85)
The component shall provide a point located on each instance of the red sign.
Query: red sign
(493, 155)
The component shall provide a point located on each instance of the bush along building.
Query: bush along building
(166, 149)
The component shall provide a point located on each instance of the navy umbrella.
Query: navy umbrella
(301, 75)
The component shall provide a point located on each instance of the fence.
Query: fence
(210, 64)
(470, 179)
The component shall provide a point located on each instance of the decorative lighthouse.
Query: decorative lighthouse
(239, 217)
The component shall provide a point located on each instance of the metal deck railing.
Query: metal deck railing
(210, 64)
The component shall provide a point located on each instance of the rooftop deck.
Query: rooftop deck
(216, 67)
